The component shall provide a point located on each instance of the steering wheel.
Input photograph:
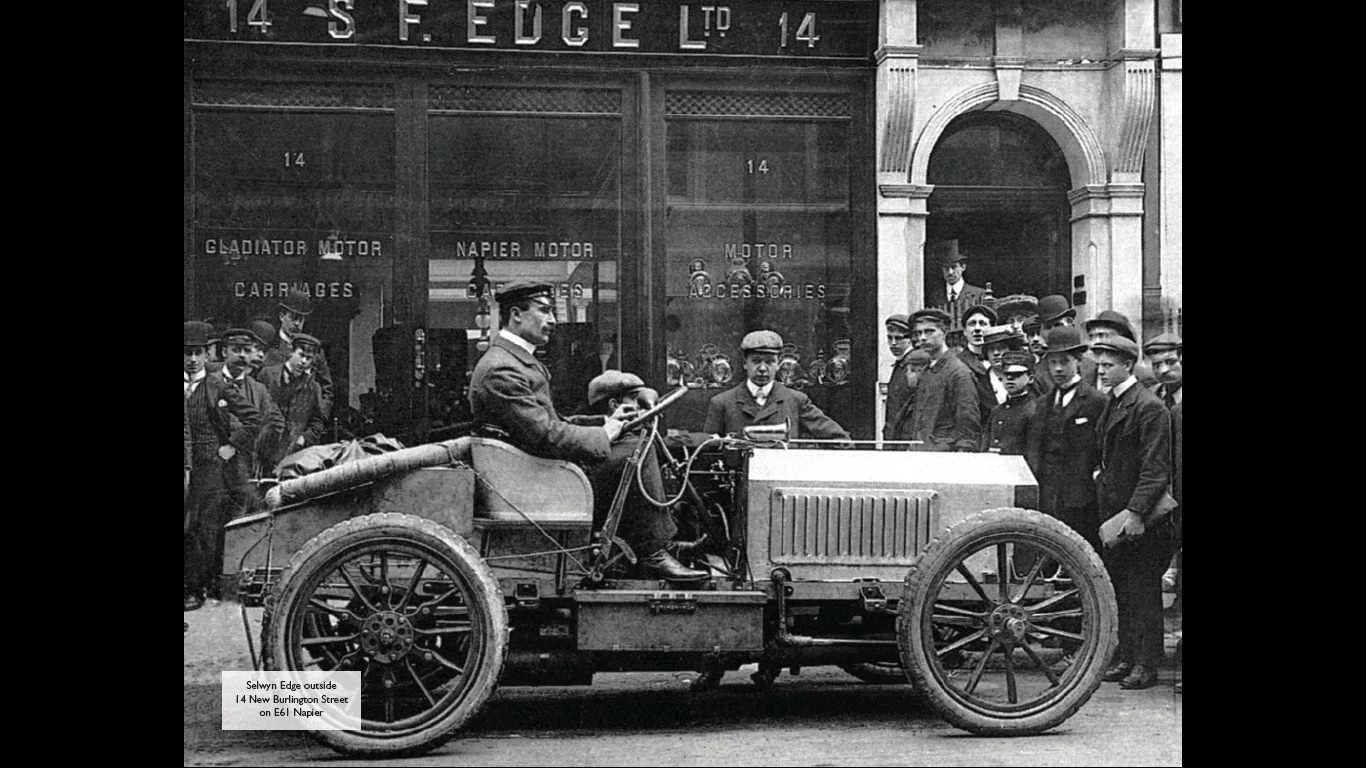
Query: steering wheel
(645, 416)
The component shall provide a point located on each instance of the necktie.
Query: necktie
(1063, 391)
(1169, 396)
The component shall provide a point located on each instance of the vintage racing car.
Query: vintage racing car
(443, 570)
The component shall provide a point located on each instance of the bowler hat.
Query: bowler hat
(1017, 359)
(1002, 334)
(1017, 304)
(761, 341)
(932, 314)
(978, 309)
(263, 331)
(1117, 344)
(1164, 343)
(946, 252)
(521, 290)
(612, 384)
(197, 333)
(1055, 307)
(297, 302)
(1064, 338)
(239, 336)
(898, 321)
(305, 341)
(1115, 320)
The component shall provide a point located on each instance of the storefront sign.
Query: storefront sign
(751, 271)
(257, 289)
(232, 248)
(844, 29)
(539, 249)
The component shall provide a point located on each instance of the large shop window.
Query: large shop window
(294, 188)
(535, 194)
(758, 237)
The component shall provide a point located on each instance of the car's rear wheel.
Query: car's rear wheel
(1026, 651)
(411, 606)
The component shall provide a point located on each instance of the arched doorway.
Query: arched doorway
(1000, 188)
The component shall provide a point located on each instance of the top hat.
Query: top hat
(611, 384)
(1114, 319)
(946, 252)
(1164, 343)
(1055, 307)
(197, 333)
(521, 290)
(761, 341)
(1119, 344)
(899, 321)
(1064, 338)
(297, 302)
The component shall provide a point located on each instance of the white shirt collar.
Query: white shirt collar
(285, 338)
(1123, 386)
(957, 287)
(227, 375)
(530, 348)
(197, 377)
(756, 391)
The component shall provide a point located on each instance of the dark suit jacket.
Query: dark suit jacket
(510, 390)
(899, 394)
(281, 352)
(733, 410)
(981, 380)
(945, 412)
(188, 459)
(1064, 472)
(300, 402)
(1135, 453)
(1008, 425)
(272, 422)
(971, 295)
(1176, 452)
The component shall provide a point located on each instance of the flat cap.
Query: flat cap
(263, 331)
(1017, 304)
(309, 343)
(946, 252)
(978, 309)
(1032, 327)
(521, 290)
(197, 333)
(918, 355)
(898, 321)
(1115, 320)
(612, 384)
(761, 341)
(1064, 338)
(1164, 343)
(931, 314)
(1117, 344)
(298, 302)
(239, 336)
(1002, 334)
(1016, 361)
(1055, 307)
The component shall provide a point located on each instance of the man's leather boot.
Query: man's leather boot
(664, 565)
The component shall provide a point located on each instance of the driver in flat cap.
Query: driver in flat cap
(510, 397)
(761, 399)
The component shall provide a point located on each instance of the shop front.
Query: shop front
(682, 174)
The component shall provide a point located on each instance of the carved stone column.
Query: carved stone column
(1170, 171)
(901, 258)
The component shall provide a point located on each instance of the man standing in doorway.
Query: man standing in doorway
(945, 414)
(951, 292)
(1135, 473)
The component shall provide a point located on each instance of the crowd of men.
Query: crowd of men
(1097, 419)
(253, 395)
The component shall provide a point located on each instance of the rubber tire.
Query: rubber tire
(947, 550)
(877, 674)
(487, 603)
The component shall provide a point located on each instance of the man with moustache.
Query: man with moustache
(1135, 473)
(510, 398)
(293, 313)
(763, 400)
(1164, 357)
(298, 394)
(1062, 449)
(240, 346)
(222, 425)
(945, 414)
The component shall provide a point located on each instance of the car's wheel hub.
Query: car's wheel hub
(386, 636)
(1008, 623)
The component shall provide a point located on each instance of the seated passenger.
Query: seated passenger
(510, 390)
(762, 400)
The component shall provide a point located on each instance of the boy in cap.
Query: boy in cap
(1135, 473)
(898, 385)
(294, 387)
(1009, 423)
(1062, 450)
(944, 414)
(951, 293)
(1110, 325)
(222, 424)
(761, 399)
(293, 312)
(510, 397)
(1164, 357)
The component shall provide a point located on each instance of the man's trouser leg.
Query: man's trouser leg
(201, 518)
(1135, 569)
(645, 527)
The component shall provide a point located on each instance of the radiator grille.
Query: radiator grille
(813, 526)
